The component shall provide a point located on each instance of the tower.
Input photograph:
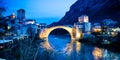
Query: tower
(86, 18)
(2, 12)
(83, 18)
(83, 24)
(21, 14)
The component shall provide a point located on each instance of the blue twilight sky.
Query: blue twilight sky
(44, 11)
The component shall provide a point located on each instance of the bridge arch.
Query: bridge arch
(45, 33)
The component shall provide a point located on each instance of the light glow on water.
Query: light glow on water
(97, 53)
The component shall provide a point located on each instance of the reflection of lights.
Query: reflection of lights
(1, 47)
(97, 53)
(78, 34)
(68, 49)
(78, 46)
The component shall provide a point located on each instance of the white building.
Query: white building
(83, 18)
(83, 24)
(30, 21)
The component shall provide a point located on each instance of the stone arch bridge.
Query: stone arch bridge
(74, 32)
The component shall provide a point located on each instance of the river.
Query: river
(57, 48)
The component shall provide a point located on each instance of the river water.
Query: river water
(57, 48)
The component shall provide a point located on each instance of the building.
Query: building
(83, 18)
(30, 21)
(87, 26)
(2, 12)
(42, 25)
(21, 14)
(96, 27)
(83, 24)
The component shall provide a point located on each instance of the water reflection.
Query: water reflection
(58, 43)
(75, 51)
(97, 53)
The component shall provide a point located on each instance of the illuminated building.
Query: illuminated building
(83, 24)
(21, 14)
(97, 27)
(83, 18)
(2, 12)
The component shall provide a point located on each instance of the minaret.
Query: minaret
(13, 15)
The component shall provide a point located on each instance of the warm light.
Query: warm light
(83, 18)
(13, 15)
(78, 46)
(97, 53)
(78, 34)
(45, 33)
(97, 30)
(114, 33)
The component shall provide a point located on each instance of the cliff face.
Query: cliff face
(97, 10)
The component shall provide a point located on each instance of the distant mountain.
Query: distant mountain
(97, 10)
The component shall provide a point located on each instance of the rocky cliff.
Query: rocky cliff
(97, 10)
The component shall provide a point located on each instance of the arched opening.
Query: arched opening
(59, 38)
